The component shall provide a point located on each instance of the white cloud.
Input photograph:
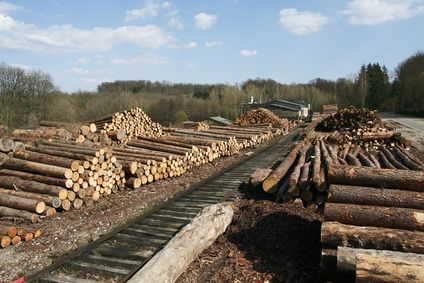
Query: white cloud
(83, 61)
(190, 64)
(174, 19)
(372, 12)
(191, 45)
(146, 59)
(6, 7)
(301, 22)
(16, 35)
(205, 21)
(78, 71)
(149, 10)
(248, 53)
(211, 44)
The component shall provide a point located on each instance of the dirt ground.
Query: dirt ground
(69, 230)
(266, 242)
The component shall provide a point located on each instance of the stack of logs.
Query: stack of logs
(196, 125)
(260, 116)
(10, 234)
(329, 109)
(123, 126)
(374, 226)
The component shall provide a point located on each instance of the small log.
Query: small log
(10, 231)
(406, 160)
(10, 212)
(364, 160)
(375, 196)
(304, 176)
(47, 199)
(38, 178)
(6, 145)
(371, 136)
(410, 156)
(5, 241)
(352, 160)
(334, 234)
(269, 185)
(316, 168)
(379, 178)
(384, 161)
(392, 159)
(294, 188)
(39, 168)
(22, 203)
(402, 268)
(375, 161)
(15, 183)
(376, 216)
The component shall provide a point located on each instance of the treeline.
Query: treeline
(29, 96)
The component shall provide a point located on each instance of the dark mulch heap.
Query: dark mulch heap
(266, 242)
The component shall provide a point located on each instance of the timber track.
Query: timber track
(117, 256)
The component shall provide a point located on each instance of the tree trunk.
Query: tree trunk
(22, 203)
(377, 216)
(38, 178)
(43, 158)
(334, 234)
(380, 178)
(10, 212)
(13, 183)
(375, 196)
(270, 184)
(47, 199)
(400, 268)
(39, 168)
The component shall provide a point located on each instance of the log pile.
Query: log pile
(260, 116)
(378, 212)
(329, 109)
(12, 234)
(123, 126)
(198, 126)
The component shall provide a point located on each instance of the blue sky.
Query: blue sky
(82, 43)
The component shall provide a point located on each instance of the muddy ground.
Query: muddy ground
(69, 230)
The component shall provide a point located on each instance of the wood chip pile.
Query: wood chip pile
(260, 116)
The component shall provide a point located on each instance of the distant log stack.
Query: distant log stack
(329, 109)
(261, 116)
(123, 126)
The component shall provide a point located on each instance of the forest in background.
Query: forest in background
(27, 97)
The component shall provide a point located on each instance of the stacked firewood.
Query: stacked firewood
(373, 224)
(12, 234)
(260, 116)
(57, 175)
(123, 126)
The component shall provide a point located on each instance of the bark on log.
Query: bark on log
(406, 160)
(364, 160)
(38, 178)
(410, 156)
(346, 257)
(393, 159)
(384, 161)
(334, 234)
(294, 188)
(403, 268)
(375, 196)
(352, 160)
(168, 264)
(47, 199)
(22, 203)
(10, 212)
(270, 184)
(376, 216)
(375, 161)
(379, 178)
(371, 136)
(29, 166)
(10, 231)
(43, 158)
(13, 183)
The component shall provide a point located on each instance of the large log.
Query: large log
(10, 212)
(402, 268)
(334, 234)
(375, 196)
(270, 184)
(22, 203)
(168, 264)
(346, 257)
(43, 158)
(39, 168)
(47, 199)
(38, 178)
(379, 178)
(13, 183)
(376, 216)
